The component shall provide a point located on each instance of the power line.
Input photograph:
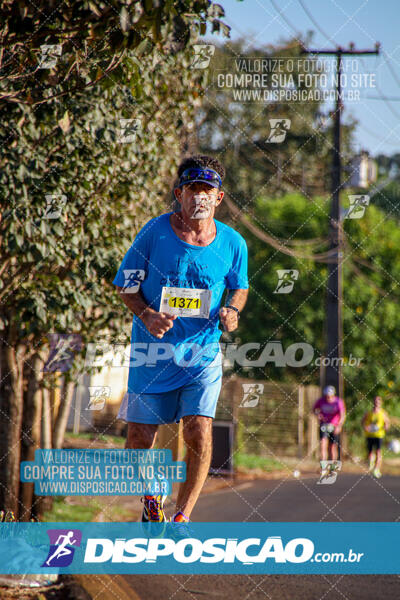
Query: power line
(334, 318)
(376, 135)
(388, 98)
(317, 25)
(310, 16)
(393, 72)
(383, 97)
(358, 272)
(278, 244)
(281, 14)
(386, 101)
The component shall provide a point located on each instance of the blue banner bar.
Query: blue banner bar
(201, 548)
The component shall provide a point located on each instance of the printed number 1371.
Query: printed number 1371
(184, 302)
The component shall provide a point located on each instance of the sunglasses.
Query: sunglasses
(207, 175)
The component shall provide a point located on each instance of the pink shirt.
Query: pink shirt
(330, 412)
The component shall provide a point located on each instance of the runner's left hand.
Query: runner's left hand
(337, 430)
(229, 318)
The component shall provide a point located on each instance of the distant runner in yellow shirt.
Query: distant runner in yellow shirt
(375, 424)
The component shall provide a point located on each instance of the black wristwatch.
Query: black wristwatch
(234, 308)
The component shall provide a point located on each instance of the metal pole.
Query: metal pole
(334, 322)
(333, 372)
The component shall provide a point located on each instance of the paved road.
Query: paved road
(351, 498)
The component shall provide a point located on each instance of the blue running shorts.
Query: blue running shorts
(198, 397)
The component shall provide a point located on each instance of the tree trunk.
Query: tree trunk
(11, 407)
(60, 424)
(46, 419)
(43, 503)
(31, 429)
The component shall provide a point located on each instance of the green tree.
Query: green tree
(388, 198)
(371, 273)
(66, 152)
(237, 130)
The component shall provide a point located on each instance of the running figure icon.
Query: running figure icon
(287, 279)
(62, 549)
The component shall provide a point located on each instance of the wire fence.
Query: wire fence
(270, 417)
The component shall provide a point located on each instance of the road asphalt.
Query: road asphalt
(354, 497)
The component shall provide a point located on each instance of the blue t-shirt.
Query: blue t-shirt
(159, 258)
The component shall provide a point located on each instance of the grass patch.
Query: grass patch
(119, 514)
(63, 511)
(243, 460)
(357, 447)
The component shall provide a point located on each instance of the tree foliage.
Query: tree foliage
(237, 130)
(388, 198)
(94, 37)
(75, 184)
(371, 272)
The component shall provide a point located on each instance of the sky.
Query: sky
(340, 22)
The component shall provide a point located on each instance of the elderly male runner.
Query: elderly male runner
(173, 279)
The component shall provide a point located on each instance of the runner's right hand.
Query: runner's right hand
(158, 323)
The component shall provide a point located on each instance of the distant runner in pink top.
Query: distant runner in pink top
(331, 412)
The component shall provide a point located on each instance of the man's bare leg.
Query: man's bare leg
(140, 436)
(197, 433)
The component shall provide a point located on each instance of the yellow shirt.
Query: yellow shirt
(376, 422)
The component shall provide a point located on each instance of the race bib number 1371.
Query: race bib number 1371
(186, 302)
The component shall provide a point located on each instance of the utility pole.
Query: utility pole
(334, 299)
